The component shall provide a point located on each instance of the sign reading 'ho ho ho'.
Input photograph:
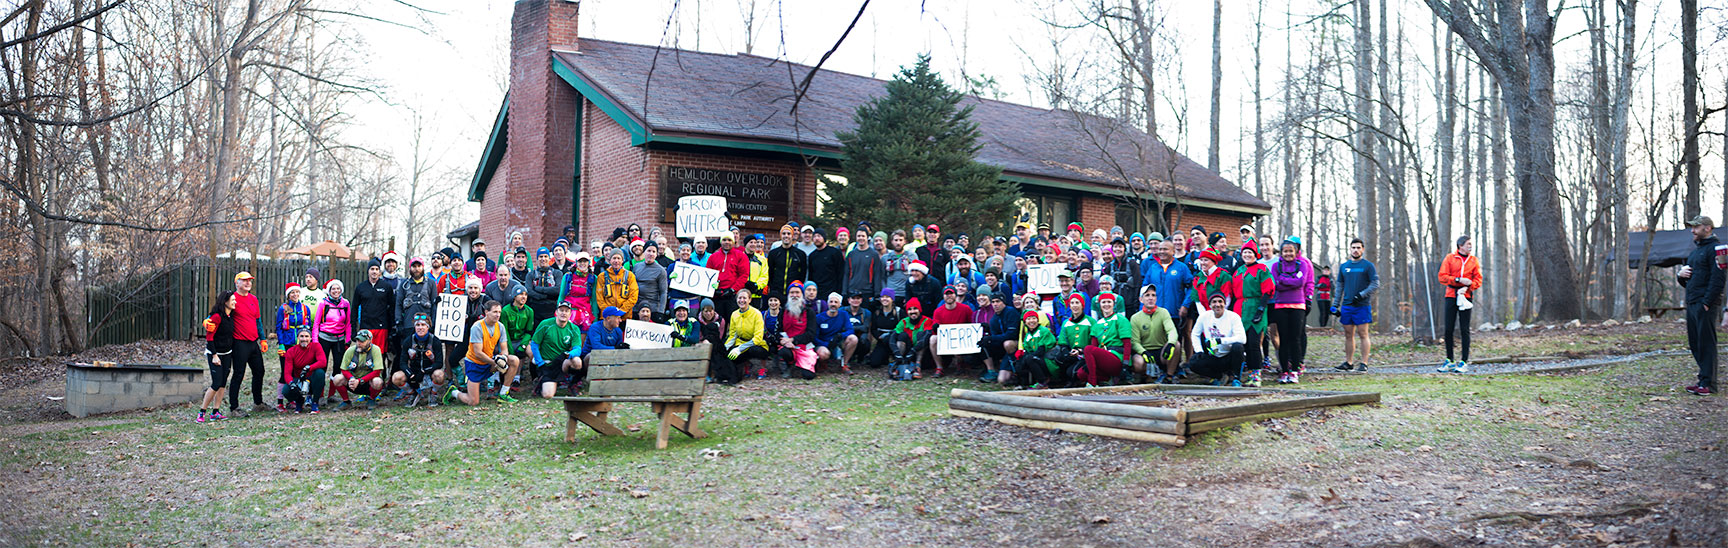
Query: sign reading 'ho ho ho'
(755, 200)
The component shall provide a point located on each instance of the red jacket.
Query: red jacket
(295, 358)
(1457, 266)
(734, 267)
(1323, 288)
(942, 315)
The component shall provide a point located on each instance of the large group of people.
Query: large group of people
(1129, 308)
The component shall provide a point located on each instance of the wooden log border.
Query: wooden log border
(1163, 425)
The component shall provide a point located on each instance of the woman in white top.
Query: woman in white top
(1218, 338)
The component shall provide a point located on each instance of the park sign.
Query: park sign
(451, 317)
(640, 334)
(693, 279)
(957, 339)
(702, 217)
(755, 200)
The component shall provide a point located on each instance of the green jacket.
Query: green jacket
(1253, 291)
(1076, 334)
(1152, 331)
(519, 324)
(553, 341)
(1111, 331)
(1036, 342)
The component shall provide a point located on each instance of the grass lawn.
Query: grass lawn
(1611, 455)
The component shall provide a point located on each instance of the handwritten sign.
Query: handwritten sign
(702, 217)
(1041, 278)
(693, 279)
(958, 338)
(452, 314)
(640, 334)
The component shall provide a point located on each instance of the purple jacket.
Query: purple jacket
(1293, 281)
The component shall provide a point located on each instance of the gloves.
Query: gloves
(209, 325)
(1168, 352)
(1335, 311)
(264, 346)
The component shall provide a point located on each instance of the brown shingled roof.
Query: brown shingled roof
(748, 97)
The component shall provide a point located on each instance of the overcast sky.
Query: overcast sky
(454, 68)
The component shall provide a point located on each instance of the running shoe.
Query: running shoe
(1237, 383)
(216, 415)
(344, 405)
(1253, 380)
(201, 418)
(1344, 366)
(313, 405)
(847, 370)
(1266, 364)
(371, 402)
(1283, 378)
(506, 398)
(281, 407)
(1361, 367)
(413, 399)
(1295, 377)
(761, 373)
(1700, 390)
(1445, 367)
(1461, 367)
(988, 376)
(938, 372)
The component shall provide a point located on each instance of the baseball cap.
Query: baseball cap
(243, 275)
(1700, 220)
(613, 311)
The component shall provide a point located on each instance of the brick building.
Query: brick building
(600, 134)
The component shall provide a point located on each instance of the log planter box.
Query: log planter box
(1166, 414)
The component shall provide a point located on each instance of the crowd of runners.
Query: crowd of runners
(1130, 308)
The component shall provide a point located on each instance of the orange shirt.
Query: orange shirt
(1458, 266)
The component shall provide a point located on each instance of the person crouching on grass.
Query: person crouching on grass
(1026, 363)
(488, 347)
(303, 372)
(421, 351)
(1155, 338)
(1111, 341)
(556, 349)
(1218, 340)
(361, 371)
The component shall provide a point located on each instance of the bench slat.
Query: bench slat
(629, 399)
(620, 357)
(653, 370)
(647, 387)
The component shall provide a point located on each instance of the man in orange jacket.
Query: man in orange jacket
(1461, 273)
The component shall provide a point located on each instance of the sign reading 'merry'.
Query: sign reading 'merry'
(759, 200)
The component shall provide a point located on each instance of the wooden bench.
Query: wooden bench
(671, 380)
(1657, 311)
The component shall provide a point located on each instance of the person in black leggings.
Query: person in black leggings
(1461, 273)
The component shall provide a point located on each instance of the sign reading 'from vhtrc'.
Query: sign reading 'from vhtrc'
(758, 200)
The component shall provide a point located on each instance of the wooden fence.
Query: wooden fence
(169, 303)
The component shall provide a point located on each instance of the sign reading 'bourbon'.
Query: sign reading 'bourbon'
(752, 199)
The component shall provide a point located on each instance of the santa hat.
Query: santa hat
(918, 266)
(1211, 255)
(291, 286)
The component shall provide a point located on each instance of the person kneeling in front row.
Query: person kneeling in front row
(1218, 338)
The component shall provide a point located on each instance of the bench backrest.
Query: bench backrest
(648, 372)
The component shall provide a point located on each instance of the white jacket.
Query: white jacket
(1225, 330)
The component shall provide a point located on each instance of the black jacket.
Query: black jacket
(543, 291)
(828, 269)
(1004, 326)
(1705, 285)
(375, 305)
(928, 292)
(786, 264)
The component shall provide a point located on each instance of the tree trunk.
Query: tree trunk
(1359, 125)
(1259, 118)
(1448, 116)
(1217, 80)
(1689, 108)
(1621, 121)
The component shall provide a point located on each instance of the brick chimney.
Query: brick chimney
(539, 167)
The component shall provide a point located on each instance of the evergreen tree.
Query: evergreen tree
(911, 159)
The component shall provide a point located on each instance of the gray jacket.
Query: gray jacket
(651, 285)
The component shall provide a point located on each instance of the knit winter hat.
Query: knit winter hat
(1211, 255)
(1078, 297)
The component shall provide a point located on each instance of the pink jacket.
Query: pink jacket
(332, 319)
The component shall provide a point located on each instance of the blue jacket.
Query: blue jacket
(1356, 281)
(601, 338)
(1172, 282)
(831, 329)
(1004, 326)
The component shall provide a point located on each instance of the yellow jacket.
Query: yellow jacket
(745, 326)
(759, 271)
(615, 289)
